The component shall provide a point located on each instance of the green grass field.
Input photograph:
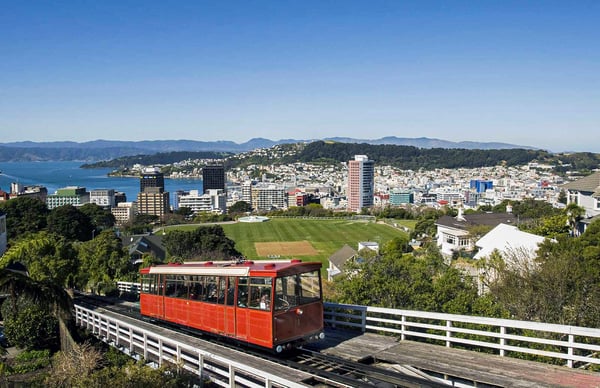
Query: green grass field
(326, 236)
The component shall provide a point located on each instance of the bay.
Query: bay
(56, 175)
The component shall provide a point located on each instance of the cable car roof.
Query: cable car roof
(227, 268)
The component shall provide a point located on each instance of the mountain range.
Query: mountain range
(109, 149)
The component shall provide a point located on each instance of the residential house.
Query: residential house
(338, 260)
(509, 241)
(585, 193)
(143, 244)
(454, 233)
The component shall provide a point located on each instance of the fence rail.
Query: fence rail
(138, 342)
(502, 336)
(506, 337)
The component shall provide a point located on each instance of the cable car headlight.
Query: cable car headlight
(299, 312)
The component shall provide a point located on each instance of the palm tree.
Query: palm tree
(574, 214)
(16, 283)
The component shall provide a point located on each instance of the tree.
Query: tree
(100, 218)
(24, 215)
(102, 261)
(208, 242)
(574, 214)
(71, 223)
(240, 207)
(562, 284)
(184, 211)
(49, 296)
(47, 256)
(562, 197)
(30, 325)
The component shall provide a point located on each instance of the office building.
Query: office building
(153, 201)
(152, 177)
(361, 182)
(213, 177)
(70, 195)
(401, 197)
(152, 198)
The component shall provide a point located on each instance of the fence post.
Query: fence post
(364, 320)
(448, 333)
(570, 350)
(403, 328)
(502, 340)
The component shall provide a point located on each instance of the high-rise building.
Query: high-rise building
(153, 201)
(213, 177)
(152, 198)
(152, 177)
(361, 183)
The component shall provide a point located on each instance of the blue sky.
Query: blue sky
(524, 72)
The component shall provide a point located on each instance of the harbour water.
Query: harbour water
(56, 175)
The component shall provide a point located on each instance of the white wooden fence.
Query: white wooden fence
(505, 337)
(158, 349)
(501, 336)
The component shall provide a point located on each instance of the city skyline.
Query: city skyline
(518, 73)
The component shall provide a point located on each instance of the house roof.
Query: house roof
(590, 183)
(506, 239)
(342, 255)
(466, 221)
(146, 243)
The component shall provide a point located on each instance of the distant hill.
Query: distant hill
(111, 149)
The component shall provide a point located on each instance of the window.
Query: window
(450, 239)
(176, 286)
(149, 284)
(260, 293)
(242, 294)
(296, 290)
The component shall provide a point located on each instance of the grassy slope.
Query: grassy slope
(326, 236)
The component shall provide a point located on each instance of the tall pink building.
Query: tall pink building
(361, 172)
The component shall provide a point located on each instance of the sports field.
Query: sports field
(324, 237)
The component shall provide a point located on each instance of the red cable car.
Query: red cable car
(271, 304)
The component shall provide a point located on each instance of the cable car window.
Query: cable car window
(295, 290)
(230, 291)
(222, 289)
(211, 286)
(196, 287)
(260, 293)
(176, 287)
(148, 285)
(242, 293)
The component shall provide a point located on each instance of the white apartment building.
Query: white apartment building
(269, 197)
(124, 212)
(103, 197)
(214, 201)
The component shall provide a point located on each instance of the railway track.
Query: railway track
(327, 370)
